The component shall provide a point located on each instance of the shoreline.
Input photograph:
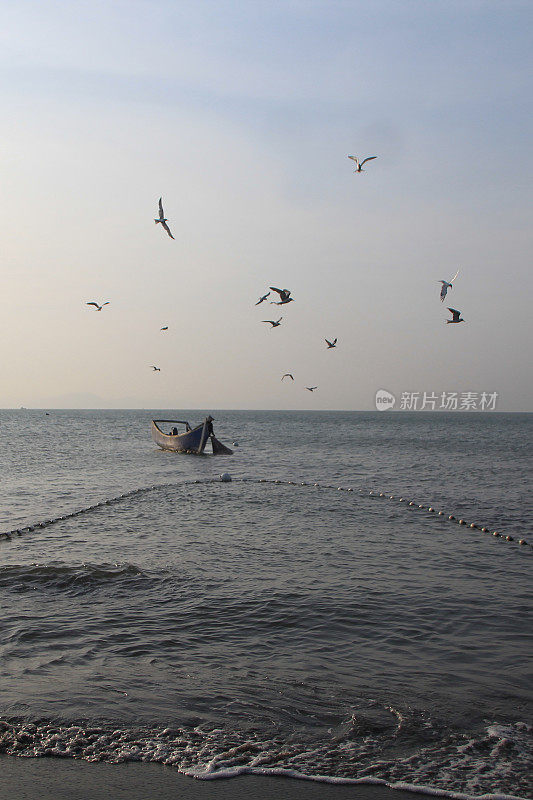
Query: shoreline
(70, 779)
(23, 778)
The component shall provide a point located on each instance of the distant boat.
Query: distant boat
(192, 440)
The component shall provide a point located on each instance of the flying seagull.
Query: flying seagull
(456, 316)
(274, 324)
(262, 299)
(164, 328)
(284, 296)
(288, 375)
(311, 388)
(162, 219)
(155, 369)
(446, 285)
(359, 164)
(331, 344)
(94, 303)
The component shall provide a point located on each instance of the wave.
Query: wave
(494, 764)
(73, 579)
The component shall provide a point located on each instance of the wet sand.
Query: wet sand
(66, 779)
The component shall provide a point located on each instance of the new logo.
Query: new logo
(384, 400)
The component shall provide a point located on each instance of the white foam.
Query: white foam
(232, 772)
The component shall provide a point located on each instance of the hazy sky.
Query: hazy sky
(241, 115)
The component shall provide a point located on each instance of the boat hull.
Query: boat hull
(192, 441)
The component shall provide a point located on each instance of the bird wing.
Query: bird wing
(165, 226)
(330, 344)
(161, 212)
(370, 158)
(456, 314)
(106, 303)
(92, 303)
(454, 277)
(354, 158)
(279, 320)
(335, 340)
(279, 291)
(268, 320)
(443, 290)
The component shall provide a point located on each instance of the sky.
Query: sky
(241, 115)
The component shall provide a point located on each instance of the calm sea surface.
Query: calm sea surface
(268, 626)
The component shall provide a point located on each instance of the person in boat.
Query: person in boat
(210, 426)
(174, 432)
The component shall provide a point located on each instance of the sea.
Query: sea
(313, 616)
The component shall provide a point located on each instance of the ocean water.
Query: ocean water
(273, 623)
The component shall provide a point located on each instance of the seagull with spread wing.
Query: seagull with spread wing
(98, 307)
(284, 296)
(271, 321)
(311, 388)
(288, 375)
(162, 219)
(155, 369)
(164, 328)
(262, 299)
(456, 316)
(331, 344)
(359, 164)
(446, 285)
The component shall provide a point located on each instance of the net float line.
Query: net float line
(227, 478)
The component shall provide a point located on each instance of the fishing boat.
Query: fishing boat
(191, 440)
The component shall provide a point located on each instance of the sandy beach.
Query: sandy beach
(66, 779)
